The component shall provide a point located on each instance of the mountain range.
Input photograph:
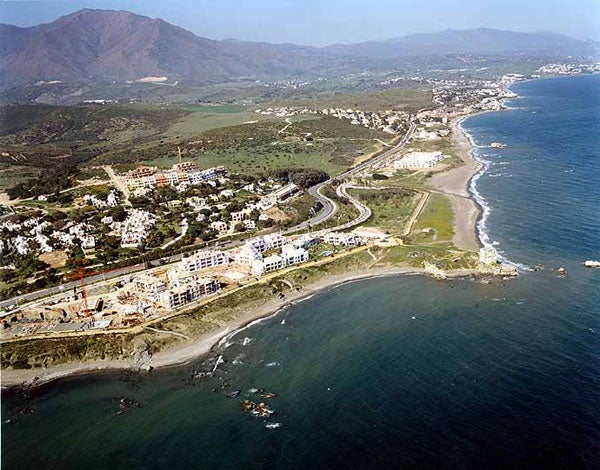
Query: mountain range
(106, 45)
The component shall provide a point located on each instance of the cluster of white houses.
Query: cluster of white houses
(389, 121)
(194, 276)
(134, 229)
(181, 175)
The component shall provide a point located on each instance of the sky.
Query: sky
(322, 22)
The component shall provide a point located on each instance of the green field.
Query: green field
(437, 216)
(443, 255)
(13, 174)
(391, 208)
(259, 147)
(400, 99)
(200, 119)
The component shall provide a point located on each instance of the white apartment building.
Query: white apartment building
(306, 241)
(172, 178)
(294, 255)
(247, 256)
(238, 216)
(219, 226)
(203, 260)
(267, 242)
(249, 224)
(341, 238)
(268, 264)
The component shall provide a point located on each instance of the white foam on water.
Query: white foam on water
(272, 425)
(218, 363)
(482, 233)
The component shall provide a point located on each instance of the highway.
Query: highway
(381, 157)
(329, 209)
(330, 206)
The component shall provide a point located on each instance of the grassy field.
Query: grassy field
(201, 119)
(436, 216)
(259, 147)
(13, 174)
(443, 255)
(391, 208)
(401, 99)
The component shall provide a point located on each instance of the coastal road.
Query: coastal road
(381, 157)
(364, 212)
(330, 206)
(329, 209)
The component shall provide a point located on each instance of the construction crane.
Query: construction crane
(81, 275)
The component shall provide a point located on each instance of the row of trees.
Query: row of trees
(302, 177)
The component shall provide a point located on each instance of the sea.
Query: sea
(394, 372)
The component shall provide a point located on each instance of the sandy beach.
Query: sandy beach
(455, 184)
(191, 350)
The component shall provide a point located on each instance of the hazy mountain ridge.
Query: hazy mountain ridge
(117, 45)
(473, 41)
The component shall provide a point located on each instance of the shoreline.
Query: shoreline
(456, 184)
(207, 342)
(468, 212)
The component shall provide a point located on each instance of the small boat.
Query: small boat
(497, 145)
(592, 264)
(234, 394)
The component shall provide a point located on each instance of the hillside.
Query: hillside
(118, 45)
(481, 41)
(104, 45)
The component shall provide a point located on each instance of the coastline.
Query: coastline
(456, 183)
(205, 343)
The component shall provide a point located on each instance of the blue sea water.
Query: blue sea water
(400, 372)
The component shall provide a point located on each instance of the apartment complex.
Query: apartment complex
(188, 290)
(203, 260)
(185, 173)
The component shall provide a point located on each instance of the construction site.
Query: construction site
(156, 293)
(122, 302)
